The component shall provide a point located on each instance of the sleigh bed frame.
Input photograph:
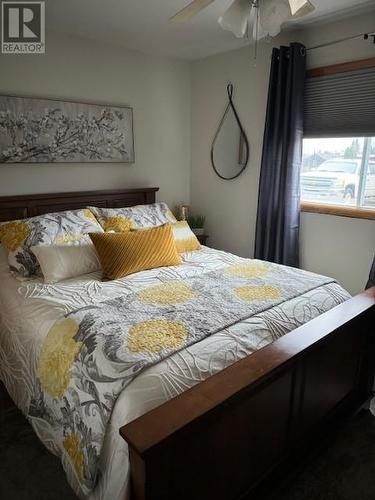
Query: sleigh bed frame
(223, 438)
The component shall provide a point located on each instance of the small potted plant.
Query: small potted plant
(196, 223)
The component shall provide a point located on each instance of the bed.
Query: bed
(213, 420)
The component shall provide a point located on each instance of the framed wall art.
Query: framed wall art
(34, 130)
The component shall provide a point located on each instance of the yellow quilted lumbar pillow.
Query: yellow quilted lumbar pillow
(129, 252)
(185, 239)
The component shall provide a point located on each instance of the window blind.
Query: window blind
(342, 104)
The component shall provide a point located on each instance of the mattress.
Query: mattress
(28, 310)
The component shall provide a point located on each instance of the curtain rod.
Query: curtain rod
(365, 36)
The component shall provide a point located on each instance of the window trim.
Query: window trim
(340, 210)
(341, 68)
(355, 212)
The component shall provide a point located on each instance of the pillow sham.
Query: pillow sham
(129, 252)
(184, 238)
(61, 228)
(59, 262)
(137, 217)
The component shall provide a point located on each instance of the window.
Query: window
(338, 165)
(339, 171)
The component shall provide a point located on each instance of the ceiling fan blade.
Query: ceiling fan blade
(191, 10)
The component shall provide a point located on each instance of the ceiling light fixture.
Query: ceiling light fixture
(236, 18)
(240, 17)
(251, 19)
(300, 8)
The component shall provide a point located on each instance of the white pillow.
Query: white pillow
(59, 262)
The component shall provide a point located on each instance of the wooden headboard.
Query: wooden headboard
(21, 207)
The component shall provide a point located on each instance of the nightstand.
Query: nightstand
(202, 238)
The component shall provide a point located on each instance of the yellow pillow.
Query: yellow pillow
(185, 239)
(129, 252)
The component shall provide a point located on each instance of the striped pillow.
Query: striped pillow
(129, 252)
(185, 239)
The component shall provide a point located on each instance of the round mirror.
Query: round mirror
(230, 147)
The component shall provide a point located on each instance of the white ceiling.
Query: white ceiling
(143, 24)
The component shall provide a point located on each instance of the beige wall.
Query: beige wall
(230, 206)
(159, 91)
(342, 248)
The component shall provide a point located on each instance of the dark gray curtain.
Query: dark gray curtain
(277, 228)
(371, 281)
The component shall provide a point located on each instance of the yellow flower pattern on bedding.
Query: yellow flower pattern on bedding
(72, 445)
(13, 235)
(155, 335)
(257, 292)
(89, 357)
(58, 353)
(118, 224)
(137, 217)
(248, 269)
(168, 293)
(66, 239)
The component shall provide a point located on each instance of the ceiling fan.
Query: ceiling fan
(251, 18)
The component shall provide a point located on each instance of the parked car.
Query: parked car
(338, 178)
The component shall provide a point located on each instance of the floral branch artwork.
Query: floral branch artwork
(43, 130)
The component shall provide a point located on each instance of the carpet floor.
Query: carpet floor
(344, 470)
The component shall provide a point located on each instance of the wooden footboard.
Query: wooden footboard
(219, 439)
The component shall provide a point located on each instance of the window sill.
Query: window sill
(343, 211)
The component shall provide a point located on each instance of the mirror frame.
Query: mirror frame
(243, 134)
